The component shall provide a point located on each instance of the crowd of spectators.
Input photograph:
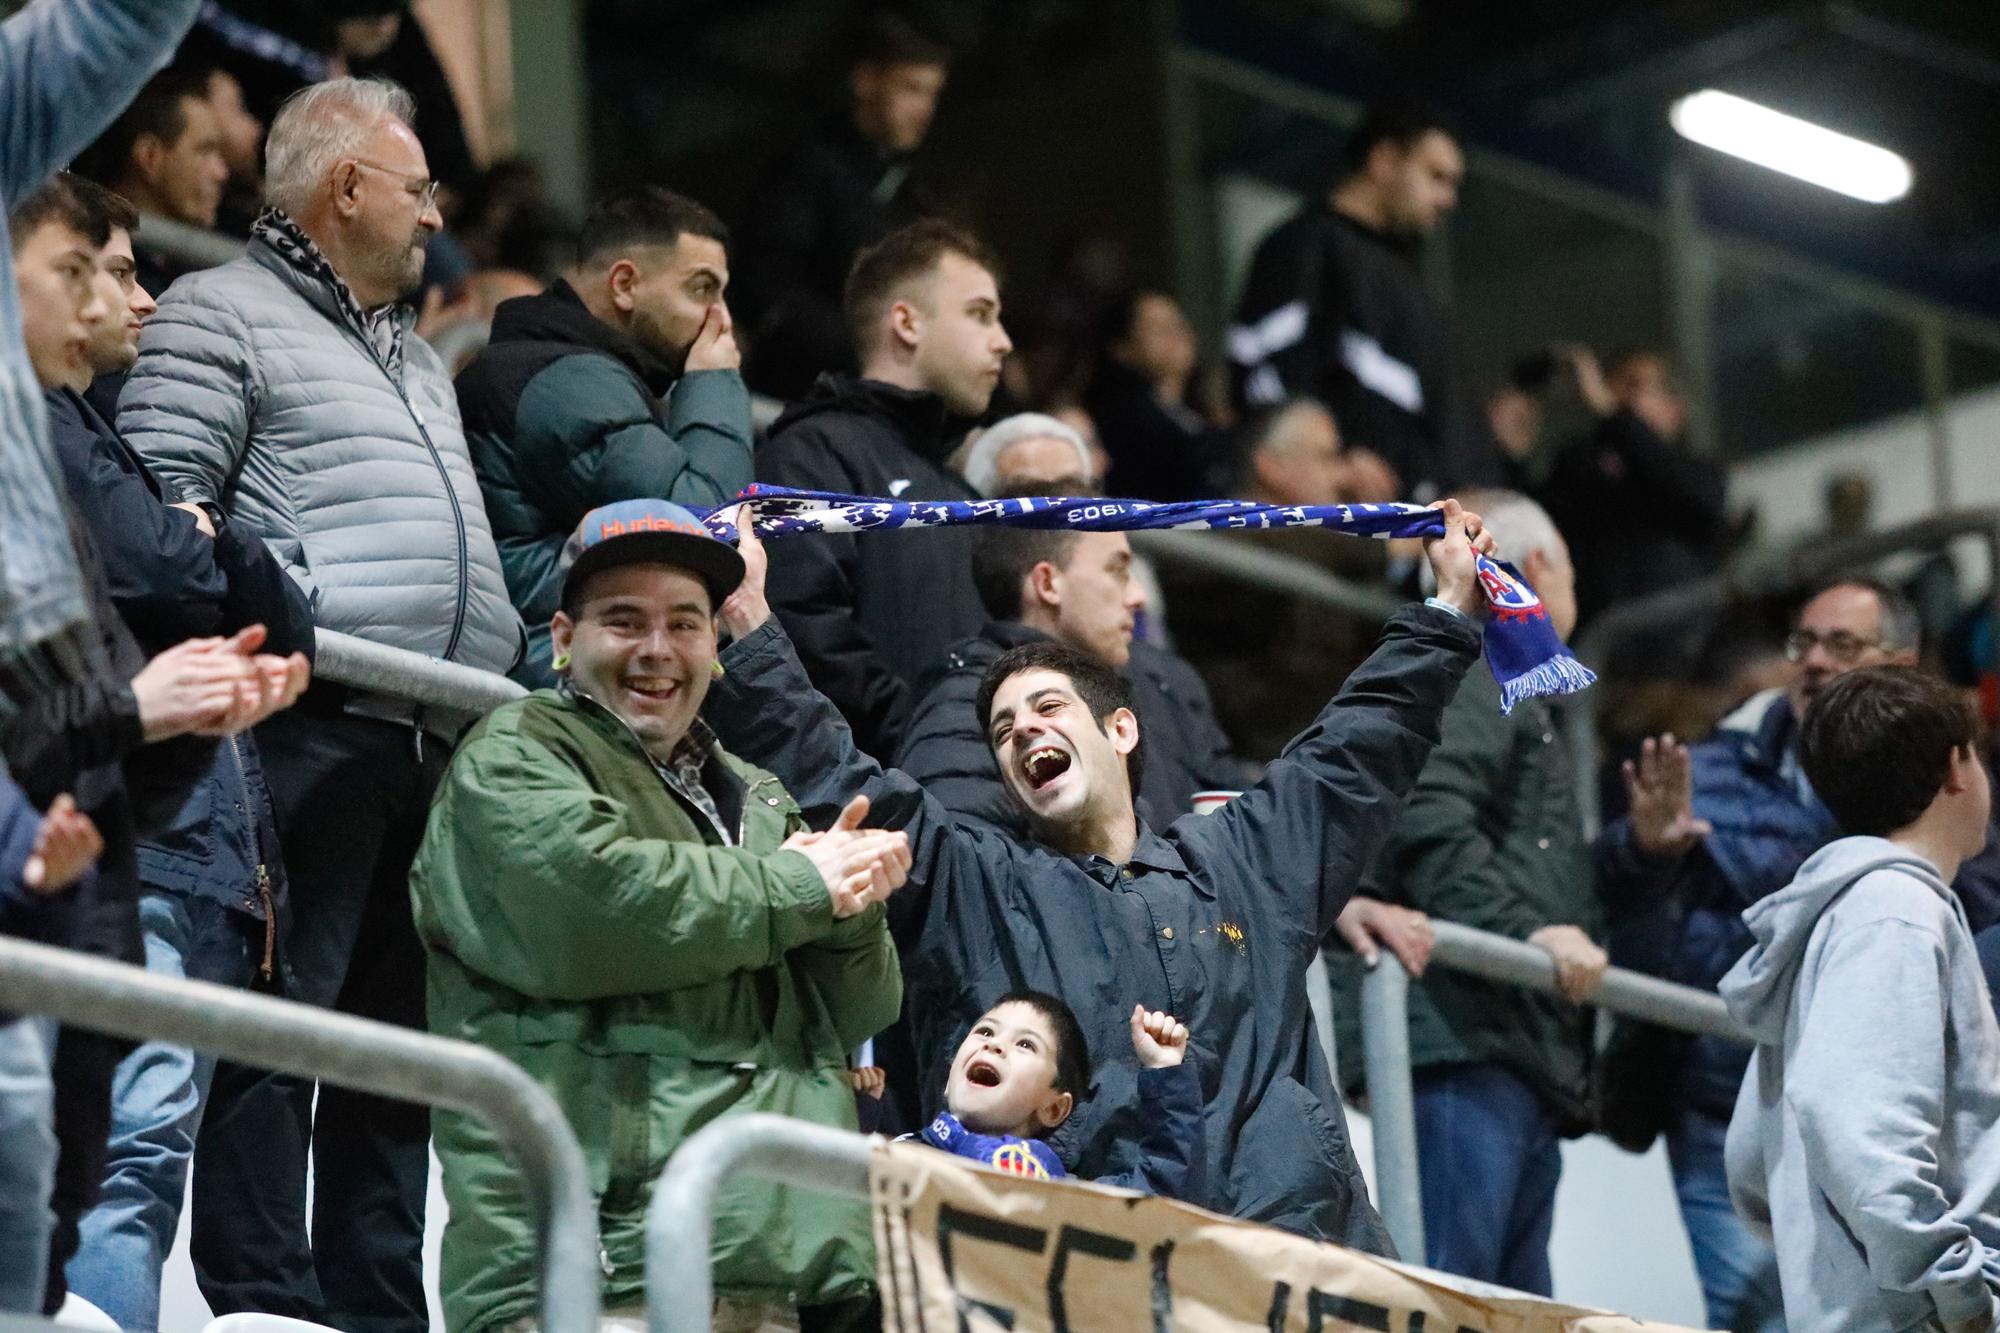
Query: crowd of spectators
(682, 878)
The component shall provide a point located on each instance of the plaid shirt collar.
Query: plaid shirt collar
(683, 770)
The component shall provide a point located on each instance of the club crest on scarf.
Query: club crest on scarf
(1527, 659)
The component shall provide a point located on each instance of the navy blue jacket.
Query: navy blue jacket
(1214, 920)
(171, 582)
(1682, 918)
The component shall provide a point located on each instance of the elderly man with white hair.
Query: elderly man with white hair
(1490, 838)
(285, 391)
(1025, 450)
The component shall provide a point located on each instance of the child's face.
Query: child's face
(1003, 1077)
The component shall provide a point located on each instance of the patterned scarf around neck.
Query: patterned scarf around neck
(1002, 1152)
(1528, 660)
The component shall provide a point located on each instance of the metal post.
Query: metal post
(1392, 1103)
(291, 1038)
(1690, 299)
(680, 1223)
(1934, 367)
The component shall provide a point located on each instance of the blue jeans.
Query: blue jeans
(1727, 1255)
(27, 1164)
(1489, 1160)
(156, 1104)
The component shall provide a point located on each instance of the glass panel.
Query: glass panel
(1794, 362)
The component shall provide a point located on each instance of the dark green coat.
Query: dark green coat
(582, 922)
(564, 413)
(1490, 839)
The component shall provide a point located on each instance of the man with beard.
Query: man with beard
(286, 389)
(619, 382)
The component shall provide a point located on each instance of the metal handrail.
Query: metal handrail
(185, 245)
(680, 1221)
(358, 1053)
(1385, 1038)
(430, 681)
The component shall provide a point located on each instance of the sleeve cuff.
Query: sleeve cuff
(1443, 605)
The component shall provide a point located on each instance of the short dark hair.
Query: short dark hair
(1102, 690)
(83, 206)
(1072, 1053)
(891, 39)
(644, 215)
(1878, 743)
(1002, 557)
(157, 110)
(1398, 119)
(881, 272)
(1901, 626)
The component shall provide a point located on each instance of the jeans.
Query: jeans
(157, 1098)
(1727, 1255)
(351, 796)
(1489, 1160)
(27, 1164)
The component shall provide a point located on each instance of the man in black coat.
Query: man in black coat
(1215, 918)
(1336, 309)
(830, 197)
(873, 615)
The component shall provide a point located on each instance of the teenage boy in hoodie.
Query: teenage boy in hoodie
(1866, 1139)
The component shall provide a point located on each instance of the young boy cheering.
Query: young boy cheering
(1866, 1138)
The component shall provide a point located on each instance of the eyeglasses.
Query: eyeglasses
(1841, 646)
(423, 187)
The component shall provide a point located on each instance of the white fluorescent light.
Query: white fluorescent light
(1814, 153)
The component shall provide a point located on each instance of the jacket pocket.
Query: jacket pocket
(1293, 1166)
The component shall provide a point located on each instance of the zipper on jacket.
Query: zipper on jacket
(263, 873)
(457, 516)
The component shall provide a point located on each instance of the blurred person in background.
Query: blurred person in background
(1161, 447)
(166, 154)
(872, 614)
(618, 383)
(1026, 450)
(242, 149)
(1270, 657)
(831, 196)
(287, 389)
(1336, 309)
(212, 881)
(1711, 830)
(1642, 511)
(1491, 838)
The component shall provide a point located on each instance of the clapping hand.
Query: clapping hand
(860, 867)
(66, 844)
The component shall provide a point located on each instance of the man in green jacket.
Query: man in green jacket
(1491, 839)
(643, 923)
(619, 382)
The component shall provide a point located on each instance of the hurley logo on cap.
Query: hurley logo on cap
(619, 527)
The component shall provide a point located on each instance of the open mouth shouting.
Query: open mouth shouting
(1043, 764)
(981, 1072)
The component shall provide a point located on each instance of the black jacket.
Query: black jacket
(945, 747)
(1337, 312)
(1158, 451)
(830, 196)
(564, 413)
(1640, 515)
(1214, 920)
(171, 582)
(872, 615)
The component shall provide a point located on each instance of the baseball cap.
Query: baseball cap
(649, 532)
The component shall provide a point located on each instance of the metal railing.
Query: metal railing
(292, 1038)
(366, 665)
(1385, 1038)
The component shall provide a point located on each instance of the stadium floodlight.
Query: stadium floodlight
(1814, 153)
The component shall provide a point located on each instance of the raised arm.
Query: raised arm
(67, 69)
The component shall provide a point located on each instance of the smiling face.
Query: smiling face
(1003, 1079)
(643, 645)
(1065, 769)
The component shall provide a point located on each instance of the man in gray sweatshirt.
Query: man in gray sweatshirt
(1866, 1138)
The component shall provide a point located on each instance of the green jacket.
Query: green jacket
(583, 921)
(564, 413)
(1491, 839)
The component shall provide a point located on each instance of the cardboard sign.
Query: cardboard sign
(964, 1250)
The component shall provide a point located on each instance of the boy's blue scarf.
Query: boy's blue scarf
(1526, 657)
(1003, 1152)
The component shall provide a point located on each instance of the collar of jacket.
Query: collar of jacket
(1149, 852)
(281, 245)
(559, 315)
(1765, 747)
(918, 417)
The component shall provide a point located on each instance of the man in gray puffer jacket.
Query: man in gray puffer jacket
(287, 390)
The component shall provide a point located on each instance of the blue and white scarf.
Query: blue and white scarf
(1527, 658)
(1002, 1152)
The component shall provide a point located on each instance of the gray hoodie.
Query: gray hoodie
(1866, 1139)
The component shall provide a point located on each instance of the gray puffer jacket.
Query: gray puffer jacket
(263, 388)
